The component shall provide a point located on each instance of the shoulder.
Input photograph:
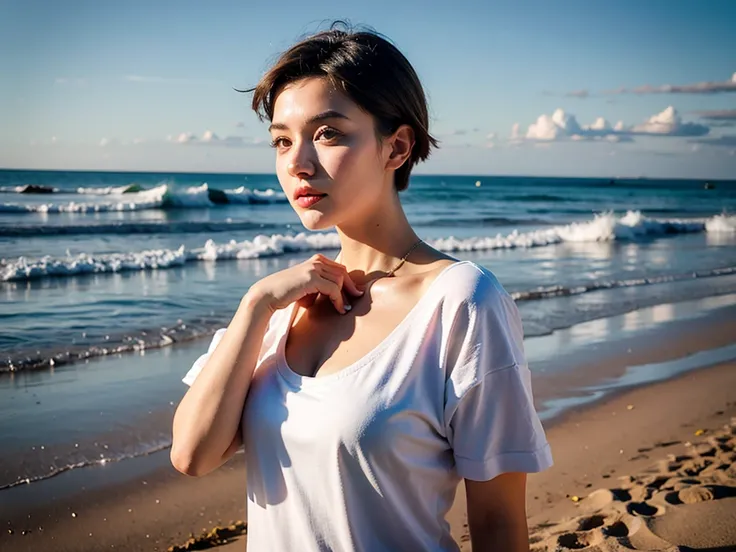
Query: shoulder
(482, 331)
(478, 310)
(466, 284)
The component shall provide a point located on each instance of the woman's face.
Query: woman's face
(328, 160)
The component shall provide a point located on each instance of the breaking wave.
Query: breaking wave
(165, 196)
(632, 226)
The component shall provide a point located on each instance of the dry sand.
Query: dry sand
(653, 469)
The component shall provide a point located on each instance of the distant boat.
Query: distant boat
(709, 186)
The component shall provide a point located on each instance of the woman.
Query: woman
(375, 381)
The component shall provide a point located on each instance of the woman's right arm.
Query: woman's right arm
(206, 429)
(206, 422)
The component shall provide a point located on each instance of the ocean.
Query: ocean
(112, 267)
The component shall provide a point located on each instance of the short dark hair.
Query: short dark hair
(367, 68)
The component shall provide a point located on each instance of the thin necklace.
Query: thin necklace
(401, 262)
(403, 259)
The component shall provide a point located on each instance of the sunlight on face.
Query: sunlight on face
(323, 140)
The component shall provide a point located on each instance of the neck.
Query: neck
(375, 242)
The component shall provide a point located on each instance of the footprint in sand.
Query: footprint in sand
(577, 541)
(656, 510)
(593, 533)
(644, 509)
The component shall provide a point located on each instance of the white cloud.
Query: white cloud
(515, 133)
(669, 123)
(183, 138)
(73, 81)
(564, 126)
(553, 127)
(459, 132)
(107, 142)
(210, 138)
(600, 125)
(491, 136)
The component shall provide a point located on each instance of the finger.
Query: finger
(330, 262)
(327, 260)
(332, 290)
(345, 280)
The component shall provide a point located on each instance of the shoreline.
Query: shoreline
(162, 508)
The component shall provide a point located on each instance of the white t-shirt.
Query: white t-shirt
(369, 458)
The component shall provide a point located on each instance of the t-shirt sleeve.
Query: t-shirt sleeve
(490, 420)
(201, 361)
(196, 368)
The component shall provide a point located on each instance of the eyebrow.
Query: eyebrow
(331, 114)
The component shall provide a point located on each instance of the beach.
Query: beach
(113, 284)
(162, 170)
(649, 465)
(651, 469)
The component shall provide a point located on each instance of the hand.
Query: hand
(304, 282)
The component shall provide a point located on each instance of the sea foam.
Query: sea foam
(632, 226)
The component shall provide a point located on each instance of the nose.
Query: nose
(301, 163)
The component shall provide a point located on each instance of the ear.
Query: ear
(400, 143)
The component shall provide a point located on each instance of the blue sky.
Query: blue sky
(137, 85)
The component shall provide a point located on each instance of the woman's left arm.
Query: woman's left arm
(497, 513)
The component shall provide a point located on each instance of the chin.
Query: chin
(314, 220)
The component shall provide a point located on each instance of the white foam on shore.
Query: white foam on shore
(632, 226)
(721, 223)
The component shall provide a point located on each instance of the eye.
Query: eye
(329, 134)
(278, 142)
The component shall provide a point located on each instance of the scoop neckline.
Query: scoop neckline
(311, 381)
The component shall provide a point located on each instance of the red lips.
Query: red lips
(306, 196)
(305, 190)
